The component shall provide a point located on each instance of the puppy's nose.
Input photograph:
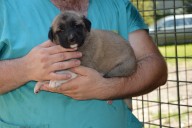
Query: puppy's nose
(71, 38)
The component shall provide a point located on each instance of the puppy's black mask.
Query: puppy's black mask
(71, 31)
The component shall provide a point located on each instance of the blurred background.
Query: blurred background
(170, 26)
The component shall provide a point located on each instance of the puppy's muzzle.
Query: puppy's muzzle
(71, 38)
(72, 41)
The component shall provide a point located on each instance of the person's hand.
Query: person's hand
(88, 85)
(43, 60)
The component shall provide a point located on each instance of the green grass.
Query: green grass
(182, 51)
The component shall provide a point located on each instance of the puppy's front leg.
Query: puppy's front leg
(54, 83)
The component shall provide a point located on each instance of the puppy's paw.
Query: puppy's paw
(56, 83)
(38, 86)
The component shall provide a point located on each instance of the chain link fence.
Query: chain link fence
(170, 26)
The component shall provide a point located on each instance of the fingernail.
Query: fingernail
(77, 62)
(79, 54)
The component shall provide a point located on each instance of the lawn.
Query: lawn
(184, 52)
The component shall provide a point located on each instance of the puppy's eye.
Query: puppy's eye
(61, 27)
(60, 30)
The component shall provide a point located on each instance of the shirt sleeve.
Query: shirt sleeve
(2, 11)
(134, 19)
(1, 22)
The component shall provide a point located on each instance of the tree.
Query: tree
(188, 6)
(146, 10)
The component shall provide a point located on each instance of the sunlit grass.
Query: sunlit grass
(182, 52)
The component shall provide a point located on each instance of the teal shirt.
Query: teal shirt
(24, 24)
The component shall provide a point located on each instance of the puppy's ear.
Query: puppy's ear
(50, 34)
(87, 23)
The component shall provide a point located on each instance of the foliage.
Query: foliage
(150, 13)
(188, 5)
(145, 8)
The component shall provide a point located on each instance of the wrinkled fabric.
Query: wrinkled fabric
(76, 5)
(24, 25)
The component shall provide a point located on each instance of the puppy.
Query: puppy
(104, 51)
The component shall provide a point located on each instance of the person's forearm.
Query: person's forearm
(12, 74)
(150, 74)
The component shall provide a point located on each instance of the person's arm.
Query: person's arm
(152, 69)
(39, 64)
(150, 74)
(12, 75)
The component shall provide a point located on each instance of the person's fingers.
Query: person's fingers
(65, 65)
(58, 49)
(64, 56)
(81, 70)
(57, 76)
(47, 44)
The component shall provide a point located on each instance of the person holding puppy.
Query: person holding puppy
(81, 102)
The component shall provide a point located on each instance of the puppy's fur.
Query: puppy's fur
(104, 51)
